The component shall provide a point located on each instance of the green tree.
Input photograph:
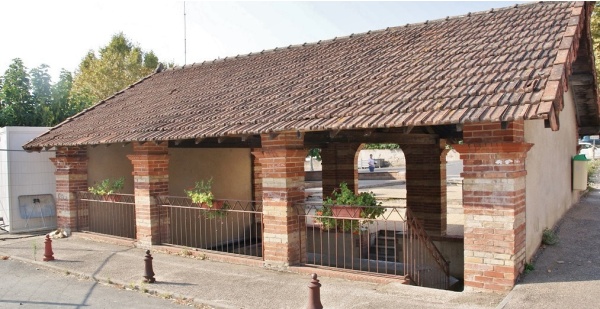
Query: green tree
(595, 29)
(62, 108)
(314, 153)
(16, 105)
(382, 146)
(41, 93)
(117, 65)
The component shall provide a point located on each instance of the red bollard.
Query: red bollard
(48, 254)
(149, 273)
(314, 294)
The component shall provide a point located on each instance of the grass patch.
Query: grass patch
(592, 167)
(529, 268)
(549, 237)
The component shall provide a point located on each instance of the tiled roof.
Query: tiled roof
(499, 65)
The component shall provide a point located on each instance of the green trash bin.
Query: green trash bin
(580, 172)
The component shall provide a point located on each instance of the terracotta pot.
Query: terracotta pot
(111, 198)
(217, 204)
(346, 211)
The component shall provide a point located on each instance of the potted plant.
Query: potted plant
(107, 187)
(202, 196)
(340, 209)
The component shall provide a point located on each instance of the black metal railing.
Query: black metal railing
(391, 244)
(112, 214)
(230, 226)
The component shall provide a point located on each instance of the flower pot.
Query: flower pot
(346, 211)
(111, 198)
(216, 204)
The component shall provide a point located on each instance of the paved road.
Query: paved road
(566, 275)
(453, 169)
(22, 285)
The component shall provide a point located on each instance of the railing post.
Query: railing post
(314, 293)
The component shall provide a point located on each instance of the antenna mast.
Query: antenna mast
(184, 37)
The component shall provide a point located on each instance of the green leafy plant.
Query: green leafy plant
(215, 213)
(382, 146)
(108, 186)
(592, 166)
(34, 245)
(529, 268)
(549, 237)
(201, 193)
(343, 196)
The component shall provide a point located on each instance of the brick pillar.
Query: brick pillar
(151, 178)
(71, 176)
(282, 163)
(494, 204)
(339, 165)
(426, 185)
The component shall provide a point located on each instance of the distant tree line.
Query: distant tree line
(30, 98)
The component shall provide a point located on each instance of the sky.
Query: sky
(59, 33)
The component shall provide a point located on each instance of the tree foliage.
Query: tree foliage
(382, 146)
(595, 30)
(16, 103)
(115, 66)
(29, 98)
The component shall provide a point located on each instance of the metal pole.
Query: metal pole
(184, 36)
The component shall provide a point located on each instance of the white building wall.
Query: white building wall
(22, 174)
(4, 177)
(548, 180)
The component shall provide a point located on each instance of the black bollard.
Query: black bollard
(314, 294)
(149, 273)
(48, 254)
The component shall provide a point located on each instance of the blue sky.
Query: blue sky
(59, 32)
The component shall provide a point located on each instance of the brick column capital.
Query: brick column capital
(495, 160)
(475, 148)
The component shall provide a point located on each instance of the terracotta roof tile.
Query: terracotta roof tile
(481, 67)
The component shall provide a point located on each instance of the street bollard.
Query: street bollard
(314, 294)
(149, 273)
(48, 254)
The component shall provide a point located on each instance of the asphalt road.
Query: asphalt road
(22, 285)
(453, 169)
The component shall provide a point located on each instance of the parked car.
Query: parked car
(589, 150)
(591, 140)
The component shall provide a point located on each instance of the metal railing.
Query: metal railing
(112, 214)
(424, 264)
(232, 227)
(393, 244)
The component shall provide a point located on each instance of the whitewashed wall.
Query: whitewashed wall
(548, 180)
(24, 173)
